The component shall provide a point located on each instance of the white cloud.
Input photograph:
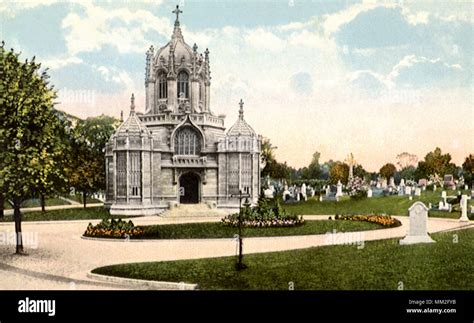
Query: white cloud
(264, 40)
(60, 62)
(120, 27)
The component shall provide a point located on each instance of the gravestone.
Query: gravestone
(391, 182)
(402, 182)
(320, 198)
(339, 189)
(417, 231)
(408, 190)
(369, 192)
(417, 191)
(463, 203)
(434, 188)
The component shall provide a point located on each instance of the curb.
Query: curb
(150, 284)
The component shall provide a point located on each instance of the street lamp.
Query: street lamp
(240, 265)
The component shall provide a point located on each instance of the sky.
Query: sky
(375, 78)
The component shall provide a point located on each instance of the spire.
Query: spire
(206, 53)
(241, 110)
(132, 105)
(121, 116)
(177, 30)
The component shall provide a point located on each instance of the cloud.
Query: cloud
(119, 27)
(60, 62)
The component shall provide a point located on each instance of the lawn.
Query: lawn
(392, 205)
(67, 214)
(380, 265)
(218, 230)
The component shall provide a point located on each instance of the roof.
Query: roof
(132, 125)
(241, 127)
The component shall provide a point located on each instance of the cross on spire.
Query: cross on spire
(241, 110)
(132, 105)
(177, 12)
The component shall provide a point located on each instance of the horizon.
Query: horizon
(372, 79)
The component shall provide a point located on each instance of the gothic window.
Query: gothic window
(187, 142)
(233, 174)
(246, 171)
(183, 84)
(135, 173)
(121, 173)
(110, 178)
(162, 86)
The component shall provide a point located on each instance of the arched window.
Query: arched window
(187, 142)
(162, 86)
(183, 84)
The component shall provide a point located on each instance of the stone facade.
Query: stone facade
(178, 150)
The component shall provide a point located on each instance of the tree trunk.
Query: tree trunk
(2, 200)
(43, 203)
(84, 196)
(17, 216)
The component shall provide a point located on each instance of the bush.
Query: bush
(356, 189)
(264, 214)
(110, 228)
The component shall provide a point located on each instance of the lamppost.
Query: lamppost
(240, 265)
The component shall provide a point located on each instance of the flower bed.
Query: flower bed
(384, 220)
(110, 228)
(264, 215)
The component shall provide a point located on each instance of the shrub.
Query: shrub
(356, 189)
(264, 214)
(110, 228)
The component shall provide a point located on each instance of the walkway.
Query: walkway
(53, 207)
(63, 256)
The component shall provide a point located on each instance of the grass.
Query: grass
(67, 214)
(392, 205)
(380, 265)
(37, 203)
(210, 230)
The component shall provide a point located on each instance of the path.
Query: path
(63, 256)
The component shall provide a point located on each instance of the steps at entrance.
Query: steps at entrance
(196, 210)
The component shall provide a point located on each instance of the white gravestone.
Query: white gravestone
(417, 191)
(391, 182)
(417, 231)
(464, 217)
(320, 198)
(408, 190)
(402, 182)
(434, 188)
(339, 189)
(369, 192)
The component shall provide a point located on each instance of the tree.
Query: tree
(405, 160)
(339, 172)
(360, 172)
(388, 170)
(27, 132)
(313, 170)
(435, 163)
(407, 172)
(86, 170)
(267, 156)
(468, 169)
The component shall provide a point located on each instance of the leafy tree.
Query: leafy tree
(86, 170)
(407, 172)
(435, 163)
(27, 132)
(468, 169)
(359, 171)
(339, 172)
(388, 170)
(313, 171)
(267, 156)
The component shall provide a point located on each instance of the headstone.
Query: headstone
(443, 195)
(320, 198)
(410, 197)
(466, 187)
(408, 190)
(328, 190)
(417, 231)
(464, 217)
(434, 188)
(402, 182)
(417, 191)
(303, 191)
(449, 182)
(339, 189)
(423, 182)
(384, 183)
(391, 182)
(268, 193)
(430, 206)
(369, 192)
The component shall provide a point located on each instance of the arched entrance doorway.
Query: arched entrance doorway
(189, 188)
